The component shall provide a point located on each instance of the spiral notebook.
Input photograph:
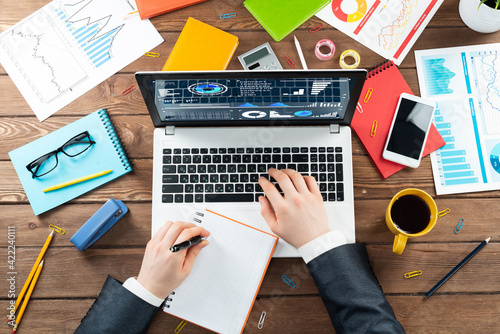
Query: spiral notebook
(107, 153)
(373, 116)
(223, 284)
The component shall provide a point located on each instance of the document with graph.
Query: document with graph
(465, 84)
(66, 48)
(388, 27)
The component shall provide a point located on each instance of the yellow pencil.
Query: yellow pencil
(28, 295)
(30, 276)
(78, 180)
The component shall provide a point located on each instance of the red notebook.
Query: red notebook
(150, 8)
(378, 102)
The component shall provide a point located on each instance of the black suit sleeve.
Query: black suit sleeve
(117, 310)
(351, 292)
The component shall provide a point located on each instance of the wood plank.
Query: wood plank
(134, 186)
(210, 12)
(135, 228)
(435, 260)
(442, 314)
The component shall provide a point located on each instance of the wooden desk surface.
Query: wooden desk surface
(71, 280)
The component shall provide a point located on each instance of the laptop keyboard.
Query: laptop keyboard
(198, 175)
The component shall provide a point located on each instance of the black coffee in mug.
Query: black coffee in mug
(410, 214)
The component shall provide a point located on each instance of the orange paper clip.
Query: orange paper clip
(290, 61)
(128, 90)
(317, 28)
(374, 129)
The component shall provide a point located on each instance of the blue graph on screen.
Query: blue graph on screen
(437, 76)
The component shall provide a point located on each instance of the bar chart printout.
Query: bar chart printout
(465, 84)
(69, 46)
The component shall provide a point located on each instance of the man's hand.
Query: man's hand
(162, 270)
(299, 216)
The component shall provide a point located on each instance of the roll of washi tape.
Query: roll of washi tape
(324, 56)
(352, 54)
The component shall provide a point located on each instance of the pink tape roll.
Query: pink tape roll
(324, 56)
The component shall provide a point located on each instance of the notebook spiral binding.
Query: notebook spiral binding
(169, 299)
(380, 67)
(114, 139)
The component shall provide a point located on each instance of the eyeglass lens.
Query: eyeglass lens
(73, 147)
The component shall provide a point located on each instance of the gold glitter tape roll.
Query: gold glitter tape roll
(349, 53)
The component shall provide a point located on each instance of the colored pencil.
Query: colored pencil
(27, 298)
(78, 180)
(32, 272)
(458, 266)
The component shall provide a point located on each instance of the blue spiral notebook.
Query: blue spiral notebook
(106, 154)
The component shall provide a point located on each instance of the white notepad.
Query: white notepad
(223, 284)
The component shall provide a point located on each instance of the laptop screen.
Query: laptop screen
(247, 97)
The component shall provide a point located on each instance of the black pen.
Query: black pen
(186, 244)
(458, 266)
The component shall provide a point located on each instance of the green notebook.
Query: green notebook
(280, 17)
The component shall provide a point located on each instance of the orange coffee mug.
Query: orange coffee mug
(411, 213)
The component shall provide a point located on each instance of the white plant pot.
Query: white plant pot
(485, 19)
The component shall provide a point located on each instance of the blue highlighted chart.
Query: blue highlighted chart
(456, 170)
(208, 89)
(495, 158)
(303, 113)
(93, 40)
(438, 76)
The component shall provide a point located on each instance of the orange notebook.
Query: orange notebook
(150, 8)
(378, 102)
(226, 277)
(201, 47)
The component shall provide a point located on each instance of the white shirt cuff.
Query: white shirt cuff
(322, 244)
(137, 289)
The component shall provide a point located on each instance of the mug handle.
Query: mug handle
(399, 243)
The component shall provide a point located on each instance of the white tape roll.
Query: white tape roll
(349, 53)
(324, 56)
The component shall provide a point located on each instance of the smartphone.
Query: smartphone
(409, 129)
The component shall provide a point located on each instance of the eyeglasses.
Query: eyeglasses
(48, 162)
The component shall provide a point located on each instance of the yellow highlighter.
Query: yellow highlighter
(78, 180)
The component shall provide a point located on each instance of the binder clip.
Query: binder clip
(100, 223)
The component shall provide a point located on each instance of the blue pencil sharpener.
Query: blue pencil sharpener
(104, 219)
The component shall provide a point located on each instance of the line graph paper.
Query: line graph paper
(66, 48)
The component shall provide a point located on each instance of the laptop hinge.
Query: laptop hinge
(334, 128)
(170, 130)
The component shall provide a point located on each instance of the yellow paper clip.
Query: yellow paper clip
(128, 90)
(261, 320)
(152, 54)
(368, 95)
(180, 326)
(227, 16)
(131, 13)
(288, 281)
(57, 229)
(459, 225)
(374, 129)
(413, 273)
(443, 213)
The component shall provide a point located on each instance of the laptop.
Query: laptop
(218, 132)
